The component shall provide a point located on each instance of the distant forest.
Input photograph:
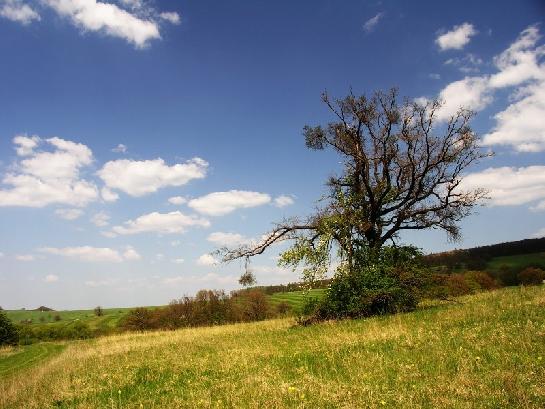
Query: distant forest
(476, 258)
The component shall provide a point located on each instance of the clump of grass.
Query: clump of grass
(487, 350)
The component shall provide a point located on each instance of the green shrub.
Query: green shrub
(8, 331)
(387, 283)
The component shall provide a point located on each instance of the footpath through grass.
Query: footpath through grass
(487, 351)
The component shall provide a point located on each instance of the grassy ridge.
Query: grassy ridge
(16, 359)
(486, 351)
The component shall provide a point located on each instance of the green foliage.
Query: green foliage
(247, 279)
(8, 331)
(385, 281)
(208, 307)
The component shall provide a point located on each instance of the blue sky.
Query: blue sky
(136, 137)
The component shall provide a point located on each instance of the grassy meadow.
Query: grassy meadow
(485, 350)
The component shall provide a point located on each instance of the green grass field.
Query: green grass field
(483, 351)
(109, 320)
(517, 262)
(295, 299)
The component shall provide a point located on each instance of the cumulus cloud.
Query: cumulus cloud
(509, 186)
(470, 93)
(25, 145)
(25, 257)
(227, 239)
(69, 214)
(161, 223)
(178, 261)
(16, 10)
(100, 219)
(520, 62)
(221, 203)
(43, 177)
(371, 24)
(283, 201)
(206, 260)
(108, 18)
(522, 124)
(120, 148)
(93, 254)
(138, 178)
(170, 16)
(457, 38)
(521, 67)
(177, 200)
(51, 278)
(108, 195)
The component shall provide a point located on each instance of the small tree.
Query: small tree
(99, 312)
(8, 332)
(247, 279)
(531, 276)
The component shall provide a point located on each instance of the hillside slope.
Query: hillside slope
(488, 350)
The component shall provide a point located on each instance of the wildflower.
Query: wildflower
(383, 402)
(292, 389)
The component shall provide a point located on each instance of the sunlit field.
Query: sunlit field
(484, 350)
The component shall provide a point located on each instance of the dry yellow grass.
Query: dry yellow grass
(488, 351)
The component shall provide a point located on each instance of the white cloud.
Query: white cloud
(175, 243)
(162, 223)
(120, 148)
(171, 16)
(25, 144)
(51, 278)
(435, 76)
(457, 38)
(16, 10)
(520, 62)
(1, 255)
(370, 24)
(100, 219)
(206, 260)
(138, 178)
(177, 200)
(522, 124)
(48, 177)
(69, 214)
(539, 234)
(221, 203)
(178, 261)
(509, 186)
(521, 65)
(108, 195)
(25, 257)
(227, 239)
(283, 201)
(470, 93)
(108, 18)
(131, 254)
(92, 254)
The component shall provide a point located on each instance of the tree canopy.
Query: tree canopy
(402, 170)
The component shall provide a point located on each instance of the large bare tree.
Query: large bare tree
(402, 171)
